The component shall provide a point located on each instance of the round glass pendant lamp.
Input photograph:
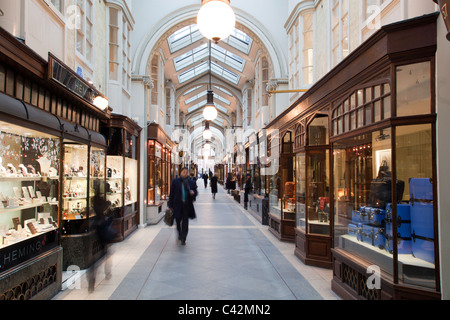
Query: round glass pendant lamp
(216, 19)
(210, 112)
(207, 134)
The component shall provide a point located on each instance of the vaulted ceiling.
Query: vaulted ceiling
(190, 62)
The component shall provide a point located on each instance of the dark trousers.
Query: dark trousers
(183, 223)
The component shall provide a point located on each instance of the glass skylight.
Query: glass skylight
(227, 57)
(200, 95)
(219, 122)
(240, 41)
(220, 108)
(193, 72)
(197, 106)
(184, 37)
(192, 90)
(224, 90)
(191, 57)
(225, 73)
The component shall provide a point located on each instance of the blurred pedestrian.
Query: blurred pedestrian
(105, 233)
(193, 184)
(214, 181)
(205, 179)
(181, 203)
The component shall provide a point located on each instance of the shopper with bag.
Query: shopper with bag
(181, 202)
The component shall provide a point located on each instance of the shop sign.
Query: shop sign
(23, 251)
(72, 81)
(444, 5)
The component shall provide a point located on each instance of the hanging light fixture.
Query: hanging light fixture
(207, 134)
(210, 112)
(216, 19)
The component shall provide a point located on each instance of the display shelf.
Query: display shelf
(365, 249)
(26, 179)
(25, 207)
(75, 178)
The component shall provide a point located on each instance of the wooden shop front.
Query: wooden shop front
(46, 109)
(364, 145)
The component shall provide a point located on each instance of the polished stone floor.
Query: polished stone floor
(229, 256)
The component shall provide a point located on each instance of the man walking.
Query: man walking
(181, 203)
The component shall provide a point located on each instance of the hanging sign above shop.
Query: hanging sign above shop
(70, 80)
(444, 5)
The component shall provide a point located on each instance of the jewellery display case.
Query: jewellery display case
(154, 173)
(75, 209)
(83, 177)
(29, 184)
(122, 173)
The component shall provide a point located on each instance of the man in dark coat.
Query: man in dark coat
(205, 179)
(214, 181)
(181, 203)
(248, 188)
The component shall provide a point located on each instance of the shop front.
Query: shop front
(312, 190)
(30, 251)
(122, 173)
(281, 172)
(160, 172)
(365, 167)
(52, 160)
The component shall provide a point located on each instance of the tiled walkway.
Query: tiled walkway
(229, 256)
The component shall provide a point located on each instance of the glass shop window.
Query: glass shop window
(415, 210)
(300, 187)
(318, 131)
(318, 200)
(362, 193)
(29, 185)
(414, 89)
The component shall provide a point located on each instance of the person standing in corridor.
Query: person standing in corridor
(248, 187)
(181, 202)
(205, 179)
(214, 181)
